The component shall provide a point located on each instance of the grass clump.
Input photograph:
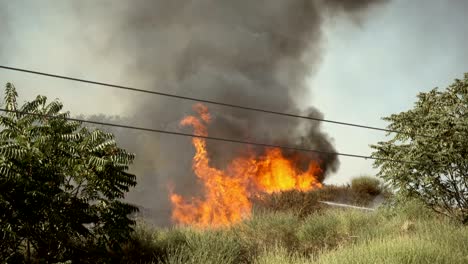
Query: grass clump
(363, 191)
(403, 232)
(152, 245)
(269, 229)
(296, 202)
(184, 245)
(280, 255)
(365, 188)
(318, 232)
(210, 247)
(396, 250)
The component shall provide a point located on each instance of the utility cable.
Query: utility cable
(205, 137)
(115, 86)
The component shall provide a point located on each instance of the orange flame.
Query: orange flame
(227, 194)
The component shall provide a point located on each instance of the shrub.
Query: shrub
(365, 188)
(366, 185)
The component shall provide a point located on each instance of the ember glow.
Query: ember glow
(227, 193)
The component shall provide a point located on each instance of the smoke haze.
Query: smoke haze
(251, 53)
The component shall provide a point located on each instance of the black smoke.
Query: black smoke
(250, 53)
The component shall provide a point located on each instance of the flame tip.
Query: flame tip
(228, 194)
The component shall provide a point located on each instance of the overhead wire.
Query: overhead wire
(203, 137)
(115, 86)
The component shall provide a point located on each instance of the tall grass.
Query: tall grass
(407, 233)
(429, 242)
(269, 229)
(279, 255)
(363, 191)
(210, 247)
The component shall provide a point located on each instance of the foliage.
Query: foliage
(61, 184)
(435, 146)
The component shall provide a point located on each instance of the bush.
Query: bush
(366, 185)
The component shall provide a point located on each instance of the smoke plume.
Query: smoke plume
(251, 53)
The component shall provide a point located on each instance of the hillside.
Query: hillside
(292, 227)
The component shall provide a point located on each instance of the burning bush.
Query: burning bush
(362, 193)
(228, 193)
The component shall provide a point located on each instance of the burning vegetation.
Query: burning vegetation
(227, 193)
(256, 54)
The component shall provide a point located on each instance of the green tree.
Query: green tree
(61, 184)
(435, 144)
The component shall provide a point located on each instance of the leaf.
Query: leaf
(12, 151)
(10, 97)
(103, 146)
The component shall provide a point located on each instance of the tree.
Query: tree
(61, 184)
(434, 144)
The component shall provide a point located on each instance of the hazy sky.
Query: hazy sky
(369, 69)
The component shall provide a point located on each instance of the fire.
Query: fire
(228, 193)
(275, 173)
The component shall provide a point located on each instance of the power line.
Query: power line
(205, 137)
(115, 86)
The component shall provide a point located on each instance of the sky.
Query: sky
(370, 68)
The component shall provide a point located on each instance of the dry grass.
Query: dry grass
(362, 191)
(405, 233)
